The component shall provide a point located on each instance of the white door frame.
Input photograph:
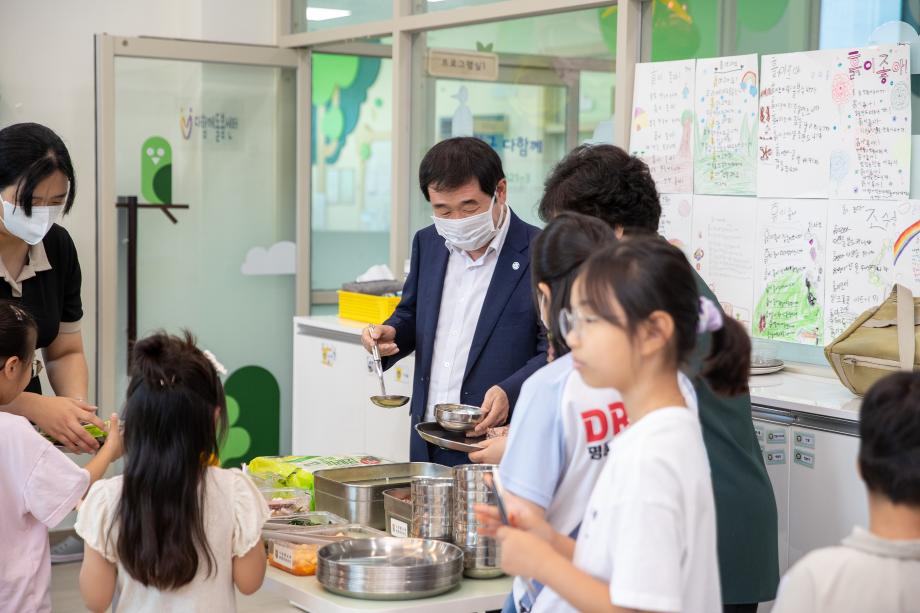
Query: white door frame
(107, 49)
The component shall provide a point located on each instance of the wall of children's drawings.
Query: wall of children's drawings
(786, 181)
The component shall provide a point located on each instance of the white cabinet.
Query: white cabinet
(333, 382)
(774, 442)
(826, 496)
(811, 462)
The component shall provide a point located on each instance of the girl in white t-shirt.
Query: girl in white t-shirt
(175, 532)
(647, 541)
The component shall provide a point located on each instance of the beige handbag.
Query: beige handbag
(881, 341)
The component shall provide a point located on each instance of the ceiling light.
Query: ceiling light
(315, 13)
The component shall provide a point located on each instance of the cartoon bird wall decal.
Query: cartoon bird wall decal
(156, 170)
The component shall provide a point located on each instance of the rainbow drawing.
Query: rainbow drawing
(904, 239)
(749, 82)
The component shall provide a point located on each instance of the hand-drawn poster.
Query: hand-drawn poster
(662, 123)
(789, 271)
(725, 126)
(676, 220)
(906, 247)
(723, 250)
(871, 89)
(860, 260)
(798, 126)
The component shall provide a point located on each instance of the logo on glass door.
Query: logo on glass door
(218, 127)
(156, 170)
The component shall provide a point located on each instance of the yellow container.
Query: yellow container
(366, 308)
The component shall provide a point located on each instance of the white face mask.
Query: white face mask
(470, 233)
(30, 229)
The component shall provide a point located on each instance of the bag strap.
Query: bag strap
(906, 338)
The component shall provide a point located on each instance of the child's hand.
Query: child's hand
(524, 554)
(492, 451)
(520, 516)
(114, 445)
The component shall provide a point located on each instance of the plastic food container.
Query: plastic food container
(315, 519)
(286, 502)
(295, 550)
(296, 558)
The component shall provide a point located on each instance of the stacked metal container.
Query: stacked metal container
(432, 505)
(481, 554)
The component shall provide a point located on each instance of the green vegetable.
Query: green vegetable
(94, 431)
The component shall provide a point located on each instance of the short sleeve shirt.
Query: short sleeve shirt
(39, 486)
(48, 288)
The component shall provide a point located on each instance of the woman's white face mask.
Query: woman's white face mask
(469, 233)
(32, 229)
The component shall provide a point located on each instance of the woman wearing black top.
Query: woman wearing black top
(39, 270)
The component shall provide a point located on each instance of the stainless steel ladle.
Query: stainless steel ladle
(387, 401)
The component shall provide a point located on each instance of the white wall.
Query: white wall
(47, 76)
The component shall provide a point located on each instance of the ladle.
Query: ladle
(387, 401)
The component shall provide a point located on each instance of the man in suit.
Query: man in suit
(467, 308)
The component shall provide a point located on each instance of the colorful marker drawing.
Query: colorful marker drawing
(900, 245)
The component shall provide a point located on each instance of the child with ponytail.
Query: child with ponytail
(647, 541)
(174, 532)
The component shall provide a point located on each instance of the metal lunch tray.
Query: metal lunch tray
(432, 432)
(390, 568)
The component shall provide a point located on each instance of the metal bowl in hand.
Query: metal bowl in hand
(458, 417)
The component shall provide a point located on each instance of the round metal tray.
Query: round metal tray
(390, 568)
(432, 432)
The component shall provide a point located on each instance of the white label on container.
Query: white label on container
(775, 456)
(399, 528)
(805, 439)
(805, 458)
(283, 554)
(776, 436)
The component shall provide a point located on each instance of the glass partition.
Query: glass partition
(527, 87)
(351, 165)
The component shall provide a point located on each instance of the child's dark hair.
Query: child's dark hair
(170, 434)
(557, 255)
(645, 274)
(17, 332)
(29, 154)
(889, 431)
(606, 182)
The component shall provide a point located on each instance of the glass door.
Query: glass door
(208, 152)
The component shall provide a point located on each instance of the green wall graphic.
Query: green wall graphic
(254, 413)
(156, 170)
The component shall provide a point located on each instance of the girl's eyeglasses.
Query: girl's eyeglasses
(572, 322)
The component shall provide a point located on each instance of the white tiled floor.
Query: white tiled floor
(65, 595)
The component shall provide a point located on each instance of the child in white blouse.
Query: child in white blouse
(174, 532)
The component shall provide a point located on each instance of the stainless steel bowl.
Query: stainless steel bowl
(457, 417)
(390, 568)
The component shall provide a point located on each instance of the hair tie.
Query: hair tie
(220, 368)
(710, 316)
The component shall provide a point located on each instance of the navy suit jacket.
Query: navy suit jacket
(509, 343)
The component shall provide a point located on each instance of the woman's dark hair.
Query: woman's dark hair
(606, 182)
(17, 332)
(644, 274)
(455, 161)
(170, 435)
(29, 154)
(557, 254)
(889, 438)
